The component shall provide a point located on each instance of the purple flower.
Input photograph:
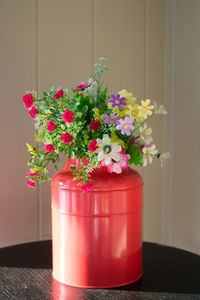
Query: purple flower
(117, 101)
(111, 120)
(125, 126)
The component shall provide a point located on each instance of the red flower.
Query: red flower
(59, 94)
(28, 100)
(31, 174)
(83, 85)
(93, 146)
(94, 125)
(67, 116)
(133, 139)
(66, 138)
(49, 148)
(86, 186)
(30, 183)
(32, 112)
(51, 126)
(141, 147)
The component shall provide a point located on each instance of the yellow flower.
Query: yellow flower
(129, 99)
(48, 112)
(128, 96)
(97, 116)
(39, 117)
(122, 113)
(145, 109)
(133, 110)
(116, 139)
(31, 150)
(96, 165)
(35, 170)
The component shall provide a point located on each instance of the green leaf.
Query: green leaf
(72, 168)
(135, 154)
(85, 109)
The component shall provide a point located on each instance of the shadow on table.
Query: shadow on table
(31, 255)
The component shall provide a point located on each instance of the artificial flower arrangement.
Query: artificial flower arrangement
(108, 129)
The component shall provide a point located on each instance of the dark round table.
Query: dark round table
(169, 273)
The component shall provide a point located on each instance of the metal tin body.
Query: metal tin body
(97, 235)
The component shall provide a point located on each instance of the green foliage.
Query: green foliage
(135, 154)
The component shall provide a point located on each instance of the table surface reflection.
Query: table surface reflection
(169, 273)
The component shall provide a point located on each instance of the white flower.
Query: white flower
(148, 152)
(163, 157)
(36, 125)
(107, 150)
(159, 110)
(145, 134)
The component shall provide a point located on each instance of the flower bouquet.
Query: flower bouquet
(106, 129)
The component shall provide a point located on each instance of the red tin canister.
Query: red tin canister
(97, 235)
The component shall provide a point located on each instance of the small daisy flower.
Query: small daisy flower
(128, 96)
(145, 110)
(148, 153)
(107, 150)
(163, 157)
(145, 134)
(111, 120)
(160, 110)
(117, 101)
(125, 126)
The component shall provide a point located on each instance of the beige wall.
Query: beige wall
(182, 189)
(48, 43)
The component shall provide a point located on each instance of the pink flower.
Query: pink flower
(51, 126)
(124, 159)
(28, 100)
(114, 167)
(67, 116)
(83, 85)
(86, 186)
(125, 126)
(59, 94)
(117, 167)
(94, 125)
(31, 174)
(66, 138)
(49, 148)
(32, 112)
(30, 183)
(93, 146)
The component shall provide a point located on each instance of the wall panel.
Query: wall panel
(154, 89)
(19, 206)
(184, 66)
(120, 37)
(65, 59)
